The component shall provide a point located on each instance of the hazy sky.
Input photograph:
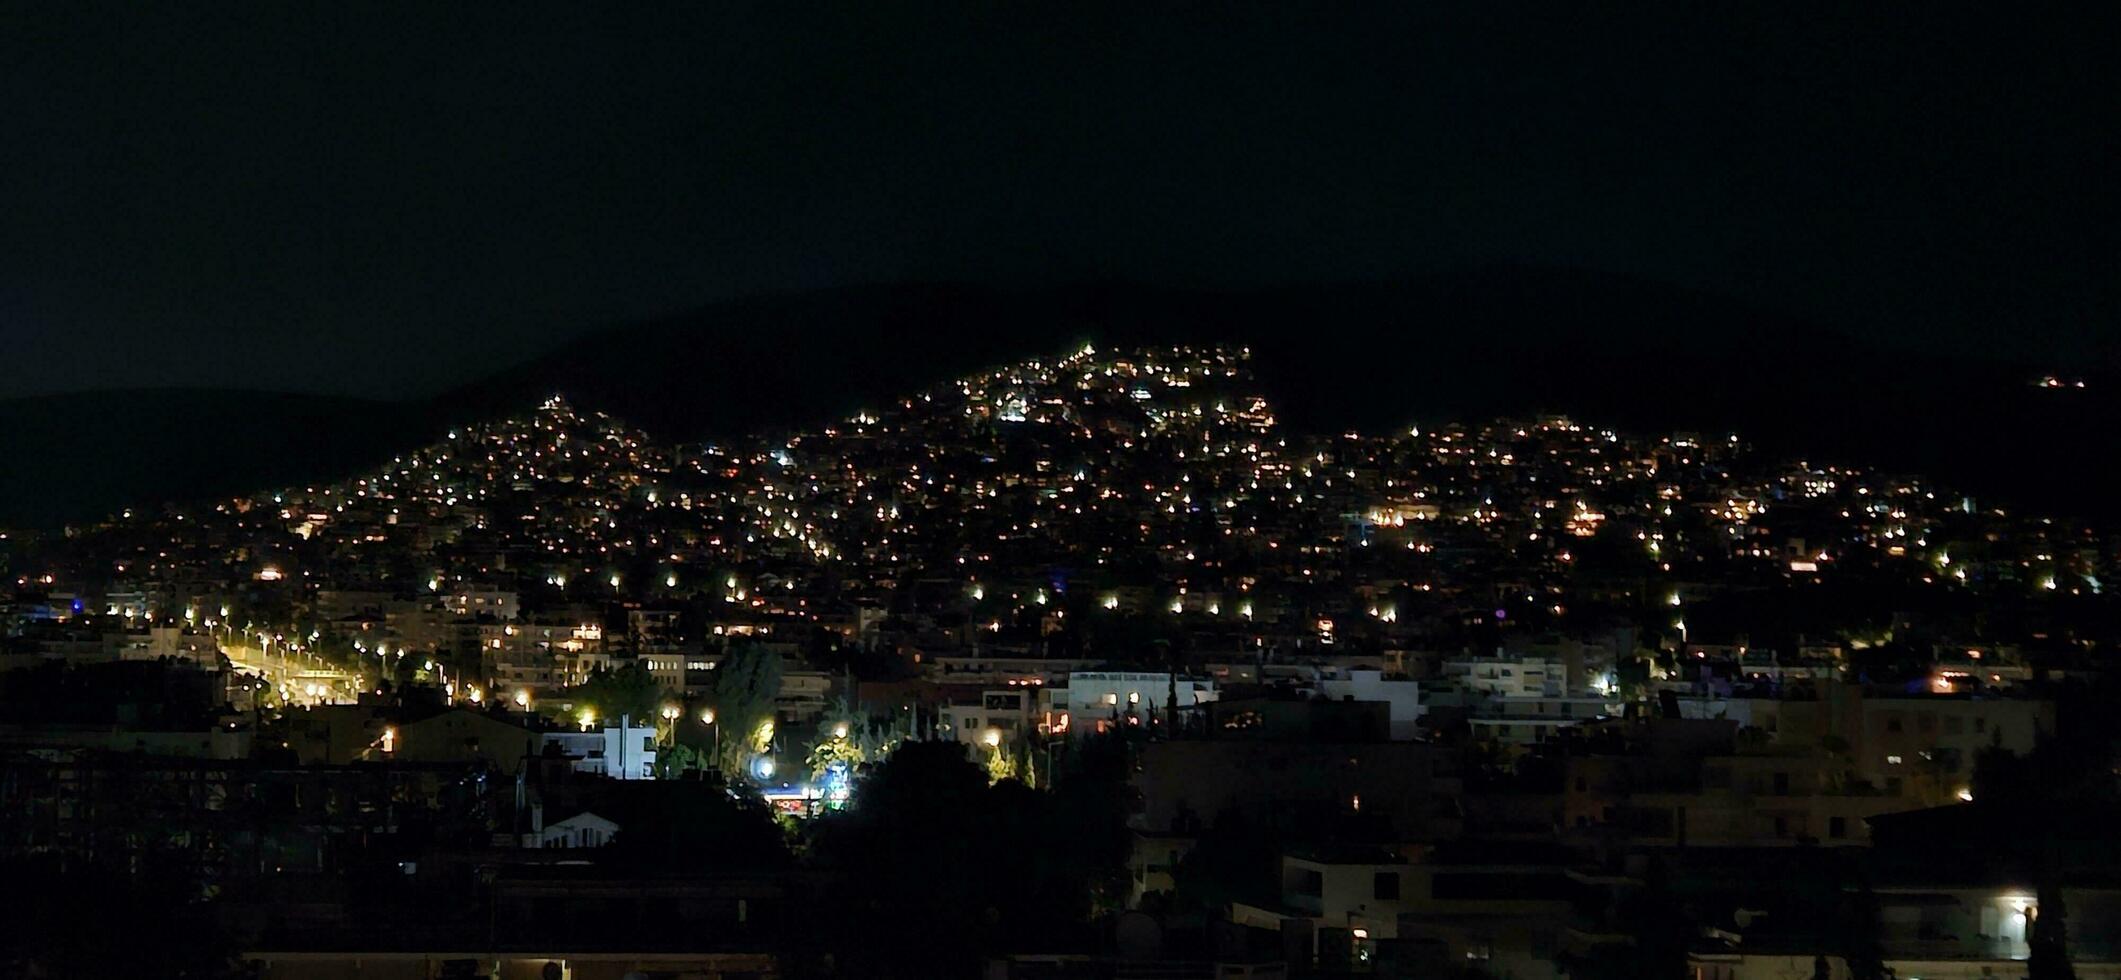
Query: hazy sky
(387, 199)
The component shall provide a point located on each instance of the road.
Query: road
(300, 679)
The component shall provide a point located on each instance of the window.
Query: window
(1386, 886)
(1980, 724)
(1782, 784)
(1310, 883)
(1837, 827)
(970, 721)
(1782, 826)
(1893, 760)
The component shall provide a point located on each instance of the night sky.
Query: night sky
(388, 199)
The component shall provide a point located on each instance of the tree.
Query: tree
(2056, 772)
(832, 750)
(2049, 937)
(677, 758)
(935, 868)
(1891, 662)
(628, 691)
(846, 739)
(1001, 763)
(746, 684)
(1860, 945)
(697, 825)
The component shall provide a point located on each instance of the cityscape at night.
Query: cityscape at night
(1175, 493)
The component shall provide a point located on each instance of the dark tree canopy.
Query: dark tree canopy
(938, 869)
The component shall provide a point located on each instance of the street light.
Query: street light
(707, 719)
(839, 730)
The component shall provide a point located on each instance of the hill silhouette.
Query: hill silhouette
(1465, 345)
(81, 456)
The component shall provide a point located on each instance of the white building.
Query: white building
(804, 696)
(1522, 676)
(1096, 694)
(158, 642)
(1002, 716)
(621, 753)
(584, 829)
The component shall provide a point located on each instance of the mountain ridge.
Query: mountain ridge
(1473, 343)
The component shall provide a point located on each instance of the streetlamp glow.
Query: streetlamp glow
(707, 717)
